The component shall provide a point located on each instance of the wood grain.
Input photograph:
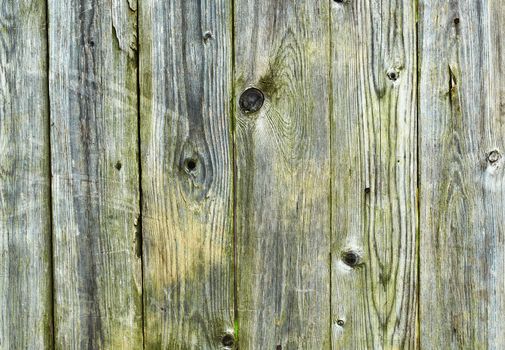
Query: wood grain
(94, 145)
(150, 199)
(25, 226)
(185, 82)
(462, 116)
(374, 175)
(282, 169)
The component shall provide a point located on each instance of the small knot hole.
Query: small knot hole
(351, 258)
(251, 100)
(392, 75)
(118, 165)
(228, 340)
(190, 164)
(493, 156)
(207, 36)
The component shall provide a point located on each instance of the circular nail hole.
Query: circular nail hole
(91, 43)
(350, 258)
(228, 340)
(118, 165)
(456, 20)
(367, 190)
(341, 323)
(251, 100)
(190, 164)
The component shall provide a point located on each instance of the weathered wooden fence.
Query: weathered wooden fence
(205, 174)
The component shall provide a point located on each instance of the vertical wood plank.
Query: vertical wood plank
(374, 167)
(94, 118)
(185, 81)
(462, 114)
(282, 170)
(25, 226)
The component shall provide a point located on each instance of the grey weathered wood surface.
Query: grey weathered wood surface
(25, 232)
(462, 110)
(185, 82)
(360, 208)
(282, 169)
(95, 185)
(374, 160)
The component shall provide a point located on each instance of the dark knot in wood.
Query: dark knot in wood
(228, 340)
(207, 36)
(351, 258)
(190, 164)
(493, 156)
(251, 100)
(393, 74)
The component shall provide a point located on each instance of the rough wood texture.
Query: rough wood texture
(324, 174)
(186, 173)
(462, 106)
(374, 164)
(282, 163)
(25, 226)
(93, 93)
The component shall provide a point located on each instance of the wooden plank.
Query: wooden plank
(187, 173)
(374, 165)
(94, 118)
(462, 104)
(25, 226)
(282, 162)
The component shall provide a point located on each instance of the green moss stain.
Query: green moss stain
(270, 83)
(154, 345)
(236, 332)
